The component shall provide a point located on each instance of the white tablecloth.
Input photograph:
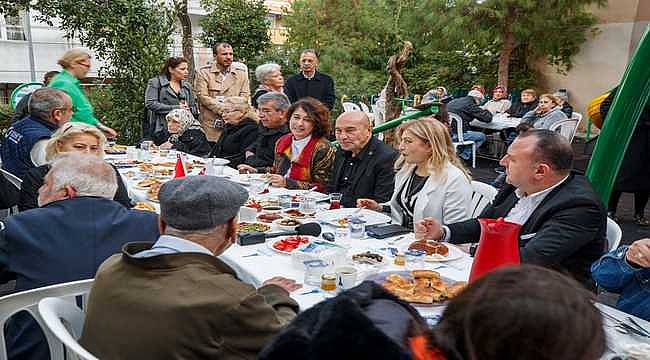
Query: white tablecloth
(256, 263)
(499, 122)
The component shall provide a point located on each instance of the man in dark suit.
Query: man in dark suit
(563, 223)
(363, 167)
(77, 227)
(310, 81)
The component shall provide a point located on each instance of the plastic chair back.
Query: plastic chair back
(28, 301)
(481, 197)
(614, 234)
(566, 127)
(13, 179)
(348, 106)
(65, 321)
(364, 107)
(455, 118)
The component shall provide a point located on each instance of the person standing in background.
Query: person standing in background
(22, 108)
(213, 83)
(310, 82)
(76, 65)
(166, 92)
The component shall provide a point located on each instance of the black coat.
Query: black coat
(234, 141)
(519, 109)
(365, 322)
(33, 180)
(566, 232)
(320, 87)
(263, 147)
(634, 174)
(467, 109)
(373, 176)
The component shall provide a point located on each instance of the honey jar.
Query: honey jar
(400, 259)
(328, 282)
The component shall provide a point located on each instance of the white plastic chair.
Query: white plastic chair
(577, 116)
(481, 197)
(348, 106)
(65, 321)
(28, 301)
(13, 179)
(566, 127)
(379, 115)
(614, 234)
(364, 107)
(459, 132)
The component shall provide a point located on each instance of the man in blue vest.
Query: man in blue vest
(23, 146)
(77, 227)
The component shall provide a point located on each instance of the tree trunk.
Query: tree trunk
(506, 49)
(187, 41)
(396, 88)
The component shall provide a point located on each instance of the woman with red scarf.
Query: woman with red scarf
(303, 157)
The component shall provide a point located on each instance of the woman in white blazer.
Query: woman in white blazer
(431, 180)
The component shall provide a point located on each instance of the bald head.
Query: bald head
(353, 131)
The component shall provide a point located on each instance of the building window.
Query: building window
(12, 28)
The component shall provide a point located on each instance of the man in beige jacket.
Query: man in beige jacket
(213, 83)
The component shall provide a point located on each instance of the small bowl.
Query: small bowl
(272, 209)
(286, 227)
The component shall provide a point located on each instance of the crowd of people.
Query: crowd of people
(158, 278)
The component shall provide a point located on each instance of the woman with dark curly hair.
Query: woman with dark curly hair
(304, 157)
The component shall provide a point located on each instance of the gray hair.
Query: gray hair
(262, 71)
(44, 100)
(89, 175)
(280, 100)
(310, 51)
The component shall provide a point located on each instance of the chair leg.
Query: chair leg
(474, 155)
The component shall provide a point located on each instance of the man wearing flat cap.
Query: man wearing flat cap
(175, 299)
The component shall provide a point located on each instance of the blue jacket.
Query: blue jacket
(18, 142)
(615, 274)
(64, 241)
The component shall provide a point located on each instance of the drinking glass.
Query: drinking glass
(307, 205)
(335, 201)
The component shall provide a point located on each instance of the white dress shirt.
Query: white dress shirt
(168, 244)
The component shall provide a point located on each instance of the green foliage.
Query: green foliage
(457, 43)
(12, 7)
(132, 37)
(5, 116)
(241, 23)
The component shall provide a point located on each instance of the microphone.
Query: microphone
(312, 229)
(252, 238)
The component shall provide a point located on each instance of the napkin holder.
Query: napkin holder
(251, 238)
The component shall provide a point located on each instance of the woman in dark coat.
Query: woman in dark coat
(71, 137)
(270, 78)
(167, 92)
(239, 133)
(634, 174)
(184, 133)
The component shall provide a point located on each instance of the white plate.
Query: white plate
(454, 254)
(286, 227)
(270, 243)
(370, 217)
(270, 228)
(275, 192)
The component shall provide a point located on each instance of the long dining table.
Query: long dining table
(254, 264)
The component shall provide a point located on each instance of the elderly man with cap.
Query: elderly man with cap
(175, 299)
(467, 108)
(363, 167)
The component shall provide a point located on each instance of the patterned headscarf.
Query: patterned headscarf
(186, 120)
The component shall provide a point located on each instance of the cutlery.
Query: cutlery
(250, 255)
(639, 327)
(393, 241)
(314, 291)
(625, 328)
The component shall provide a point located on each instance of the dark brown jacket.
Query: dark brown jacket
(179, 306)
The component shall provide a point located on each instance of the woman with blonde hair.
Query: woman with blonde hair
(431, 180)
(240, 132)
(547, 113)
(70, 137)
(76, 64)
